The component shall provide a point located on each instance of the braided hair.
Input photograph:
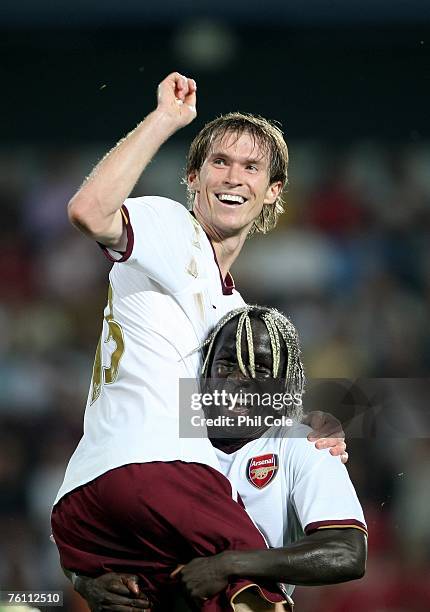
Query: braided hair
(278, 326)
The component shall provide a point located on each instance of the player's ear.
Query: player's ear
(194, 181)
(273, 192)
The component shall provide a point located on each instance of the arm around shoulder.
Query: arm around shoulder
(327, 556)
(324, 557)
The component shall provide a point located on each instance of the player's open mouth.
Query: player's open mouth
(231, 199)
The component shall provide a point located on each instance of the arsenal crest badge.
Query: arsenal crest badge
(262, 469)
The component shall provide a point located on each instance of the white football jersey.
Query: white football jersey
(165, 294)
(290, 488)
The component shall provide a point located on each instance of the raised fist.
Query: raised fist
(177, 98)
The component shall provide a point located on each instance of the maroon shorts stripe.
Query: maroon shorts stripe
(148, 518)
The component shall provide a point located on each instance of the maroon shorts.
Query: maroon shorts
(146, 518)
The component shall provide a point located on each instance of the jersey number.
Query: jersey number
(103, 374)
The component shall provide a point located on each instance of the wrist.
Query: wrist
(249, 563)
(230, 565)
(166, 123)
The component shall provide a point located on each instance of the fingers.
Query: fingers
(326, 433)
(178, 90)
(125, 603)
(177, 84)
(337, 446)
(324, 425)
(132, 583)
(185, 91)
(119, 588)
(181, 86)
(124, 585)
(344, 457)
(191, 98)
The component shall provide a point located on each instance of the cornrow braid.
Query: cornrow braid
(250, 342)
(277, 325)
(239, 331)
(274, 341)
(210, 340)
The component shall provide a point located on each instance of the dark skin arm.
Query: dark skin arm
(111, 592)
(327, 556)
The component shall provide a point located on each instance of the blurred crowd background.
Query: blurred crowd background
(349, 261)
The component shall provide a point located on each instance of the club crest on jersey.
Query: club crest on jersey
(262, 470)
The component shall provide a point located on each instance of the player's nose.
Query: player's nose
(233, 176)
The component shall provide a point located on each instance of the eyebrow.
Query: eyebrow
(249, 160)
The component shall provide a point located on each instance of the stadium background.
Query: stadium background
(350, 83)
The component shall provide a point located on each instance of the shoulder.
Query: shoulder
(297, 453)
(165, 217)
(294, 438)
(159, 204)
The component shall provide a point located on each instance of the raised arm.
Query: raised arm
(324, 557)
(95, 208)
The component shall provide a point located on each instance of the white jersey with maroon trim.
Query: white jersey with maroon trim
(166, 292)
(290, 488)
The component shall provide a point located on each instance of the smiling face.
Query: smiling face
(225, 374)
(232, 185)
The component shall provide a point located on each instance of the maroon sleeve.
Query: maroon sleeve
(130, 239)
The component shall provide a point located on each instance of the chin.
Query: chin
(231, 224)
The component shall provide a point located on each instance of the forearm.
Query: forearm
(320, 558)
(94, 208)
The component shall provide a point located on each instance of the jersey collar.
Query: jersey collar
(227, 284)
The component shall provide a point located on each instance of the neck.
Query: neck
(227, 445)
(227, 248)
(231, 445)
